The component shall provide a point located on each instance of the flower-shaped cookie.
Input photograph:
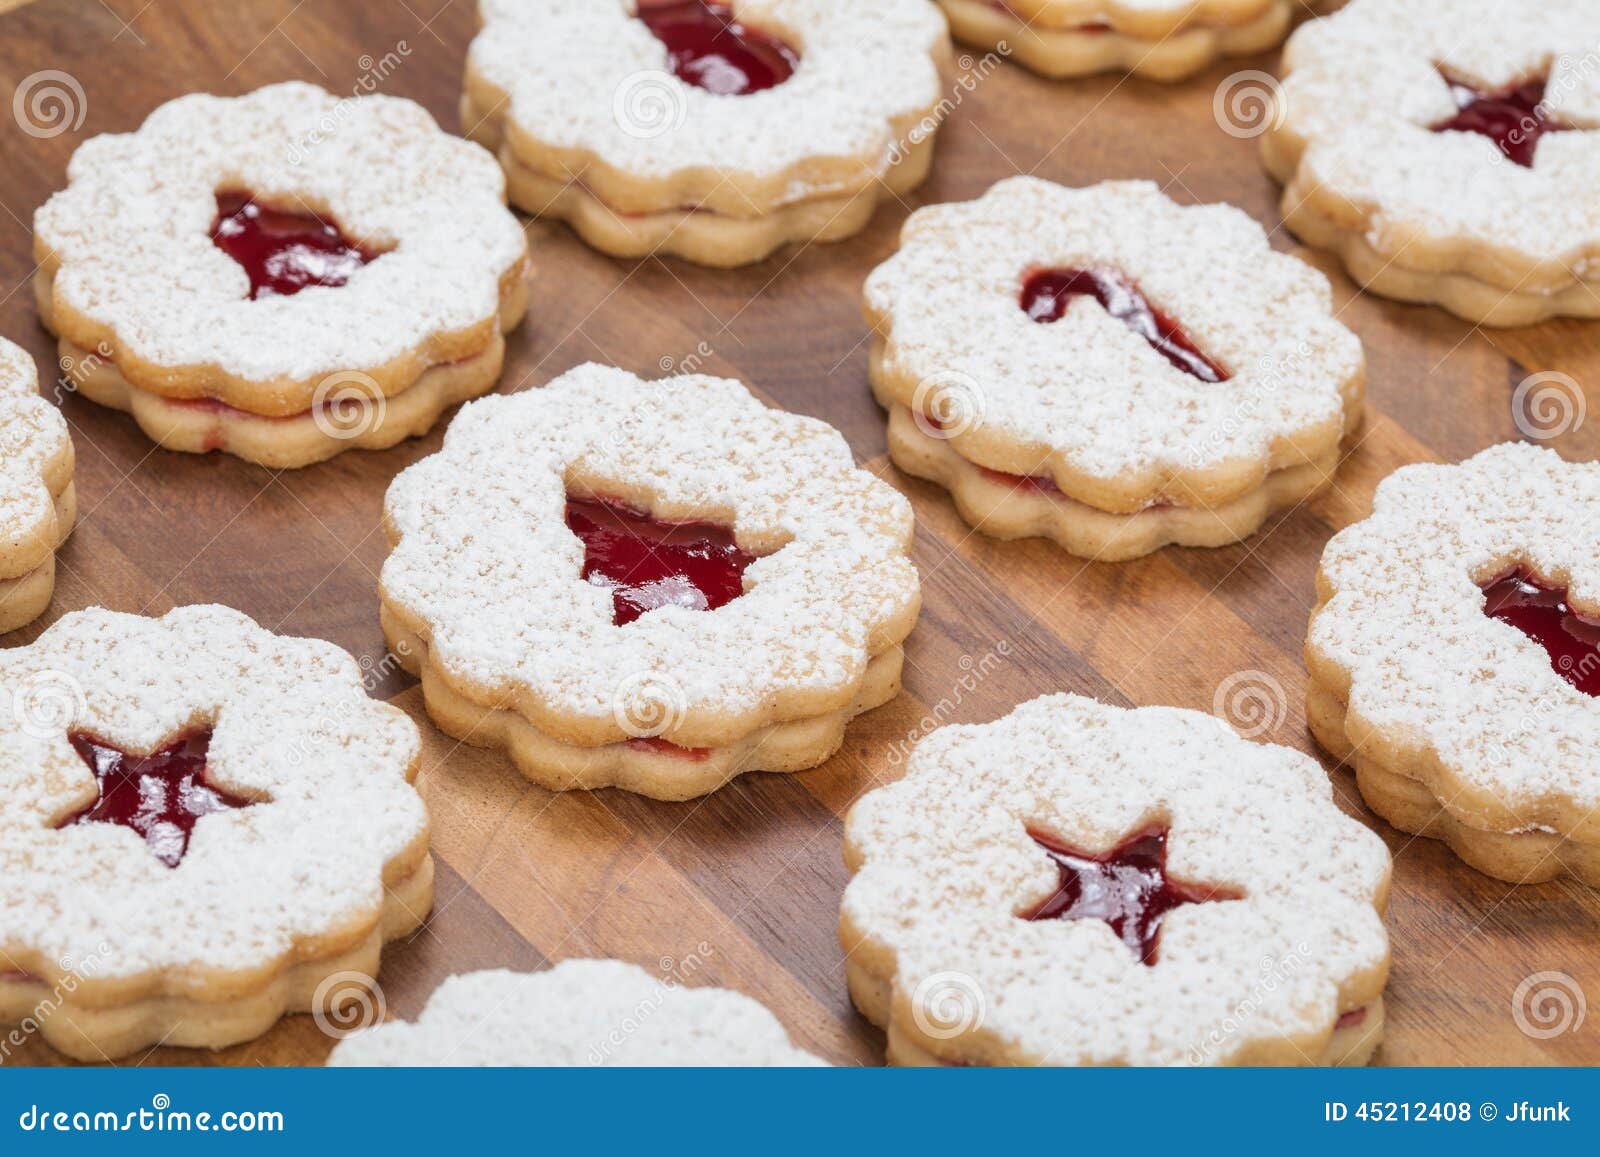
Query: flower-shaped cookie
(1158, 39)
(714, 131)
(201, 823)
(654, 585)
(1080, 884)
(1448, 151)
(37, 500)
(581, 1012)
(1455, 659)
(1108, 368)
(282, 275)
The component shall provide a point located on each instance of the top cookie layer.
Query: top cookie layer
(1507, 743)
(588, 80)
(1086, 400)
(34, 447)
(945, 863)
(129, 241)
(258, 886)
(581, 1012)
(1365, 85)
(485, 569)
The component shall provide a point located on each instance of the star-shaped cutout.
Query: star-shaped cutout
(161, 795)
(1127, 887)
(1514, 118)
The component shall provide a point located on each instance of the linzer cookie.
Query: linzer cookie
(1455, 659)
(1109, 369)
(203, 826)
(579, 1013)
(282, 275)
(651, 585)
(37, 500)
(714, 131)
(1157, 39)
(1448, 151)
(1080, 884)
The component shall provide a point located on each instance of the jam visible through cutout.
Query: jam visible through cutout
(284, 252)
(647, 563)
(1512, 118)
(710, 49)
(161, 796)
(1541, 612)
(1047, 292)
(1128, 888)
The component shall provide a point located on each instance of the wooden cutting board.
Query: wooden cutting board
(742, 888)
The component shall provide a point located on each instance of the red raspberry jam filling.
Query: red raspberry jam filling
(1512, 118)
(662, 747)
(1127, 887)
(1047, 292)
(161, 796)
(1352, 1018)
(284, 252)
(647, 563)
(710, 49)
(1541, 612)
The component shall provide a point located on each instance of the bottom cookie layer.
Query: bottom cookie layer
(658, 771)
(350, 420)
(1464, 295)
(25, 597)
(698, 235)
(995, 507)
(105, 1034)
(1529, 856)
(1083, 51)
(873, 996)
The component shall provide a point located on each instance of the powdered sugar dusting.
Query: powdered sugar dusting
(862, 66)
(132, 232)
(32, 433)
(292, 723)
(1427, 667)
(581, 1012)
(485, 559)
(1086, 393)
(947, 863)
(1364, 86)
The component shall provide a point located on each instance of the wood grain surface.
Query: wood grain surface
(742, 888)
